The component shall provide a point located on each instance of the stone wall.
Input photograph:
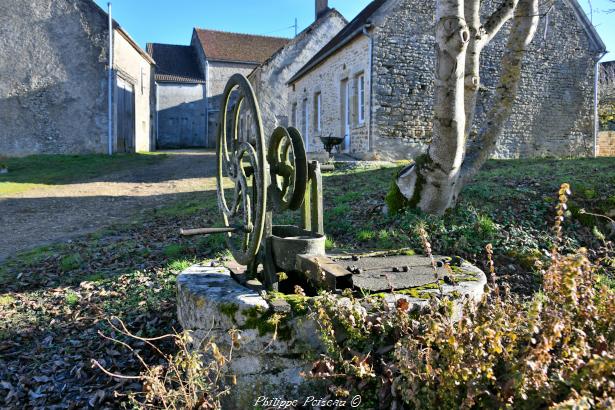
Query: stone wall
(270, 79)
(606, 144)
(130, 65)
(553, 114)
(606, 96)
(53, 79)
(327, 79)
(181, 115)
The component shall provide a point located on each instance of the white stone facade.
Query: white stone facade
(130, 65)
(331, 80)
(553, 114)
(269, 79)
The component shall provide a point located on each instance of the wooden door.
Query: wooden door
(125, 116)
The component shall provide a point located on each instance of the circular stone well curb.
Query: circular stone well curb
(210, 303)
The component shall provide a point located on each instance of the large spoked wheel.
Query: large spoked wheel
(242, 169)
(288, 168)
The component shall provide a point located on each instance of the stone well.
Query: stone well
(211, 303)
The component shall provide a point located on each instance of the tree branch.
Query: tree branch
(472, 63)
(524, 27)
(499, 17)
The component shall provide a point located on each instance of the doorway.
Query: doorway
(345, 124)
(125, 100)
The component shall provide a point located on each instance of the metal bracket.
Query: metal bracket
(324, 273)
(312, 208)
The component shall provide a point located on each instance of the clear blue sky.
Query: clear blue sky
(171, 21)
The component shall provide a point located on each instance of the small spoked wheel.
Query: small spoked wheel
(288, 168)
(241, 170)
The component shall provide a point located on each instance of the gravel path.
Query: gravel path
(51, 214)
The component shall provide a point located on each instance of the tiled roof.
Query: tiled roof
(351, 30)
(223, 46)
(177, 64)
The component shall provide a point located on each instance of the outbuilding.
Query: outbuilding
(55, 76)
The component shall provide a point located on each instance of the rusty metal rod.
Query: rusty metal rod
(207, 231)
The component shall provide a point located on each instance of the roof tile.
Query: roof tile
(174, 63)
(223, 46)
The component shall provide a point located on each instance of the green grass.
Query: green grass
(71, 298)
(510, 204)
(365, 235)
(71, 262)
(174, 251)
(6, 300)
(130, 270)
(42, 170)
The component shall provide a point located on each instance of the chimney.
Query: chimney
(322, 6)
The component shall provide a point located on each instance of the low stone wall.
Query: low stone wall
(606, 144)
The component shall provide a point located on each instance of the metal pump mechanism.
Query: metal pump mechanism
(253, 179)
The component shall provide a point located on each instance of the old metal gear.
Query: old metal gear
(241, 160)
(288, 167)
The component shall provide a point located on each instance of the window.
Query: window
(142, 80)
(306, 123)
(345, 98)
(317, 111)
(361, 98)
(293, 118)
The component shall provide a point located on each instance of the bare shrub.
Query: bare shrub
(553, 350)
(191, 378)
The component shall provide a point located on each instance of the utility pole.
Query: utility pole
(110, 85)
(296, 26)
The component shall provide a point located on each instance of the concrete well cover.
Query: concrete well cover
(378, 275)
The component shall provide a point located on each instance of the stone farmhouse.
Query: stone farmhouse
(190, 80)
(54, 81)
(179, 97)
(373, 84)
(270, 78)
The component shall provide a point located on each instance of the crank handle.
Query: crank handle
(212, 231)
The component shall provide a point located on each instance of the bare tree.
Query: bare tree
(434, 182)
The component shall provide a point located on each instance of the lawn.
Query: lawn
(54, 300)
(41, 170)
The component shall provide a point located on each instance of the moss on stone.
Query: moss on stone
(419, 292)
(259, 319)
(229, 309)
(298, 303)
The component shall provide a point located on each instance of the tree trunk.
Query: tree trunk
(431, 185)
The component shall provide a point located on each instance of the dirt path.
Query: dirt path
(45, 215)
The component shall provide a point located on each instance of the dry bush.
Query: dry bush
(191, 378)
(553, 350)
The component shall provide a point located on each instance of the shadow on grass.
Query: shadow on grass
(70, 169)
(150, 241)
